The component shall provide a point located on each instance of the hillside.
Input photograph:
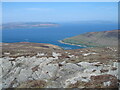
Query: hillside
(36, 65)
(103, 38)
(26, 48)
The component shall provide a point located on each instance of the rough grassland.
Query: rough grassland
(104, 38)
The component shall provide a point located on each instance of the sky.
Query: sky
(59, 11)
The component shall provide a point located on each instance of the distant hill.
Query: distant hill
(103, 38)
(28, 25)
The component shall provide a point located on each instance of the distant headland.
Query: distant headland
(29, 25)
(103, 38)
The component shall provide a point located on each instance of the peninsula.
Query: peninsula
(99, 39)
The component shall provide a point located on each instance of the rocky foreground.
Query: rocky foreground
(30, 65)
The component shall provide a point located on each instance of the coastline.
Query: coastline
(71, 44)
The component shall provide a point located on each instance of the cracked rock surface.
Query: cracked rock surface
(57, 68)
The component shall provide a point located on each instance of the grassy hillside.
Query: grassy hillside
(104, 38)
(26, 48)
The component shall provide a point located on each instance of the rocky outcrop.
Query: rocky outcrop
(58, 68)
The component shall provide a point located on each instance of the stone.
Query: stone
(24, 74)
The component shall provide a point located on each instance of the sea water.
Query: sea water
(52, 35)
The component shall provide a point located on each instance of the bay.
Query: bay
(52, 35)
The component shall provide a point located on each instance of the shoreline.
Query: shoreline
(60, 41)
(71, 44)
